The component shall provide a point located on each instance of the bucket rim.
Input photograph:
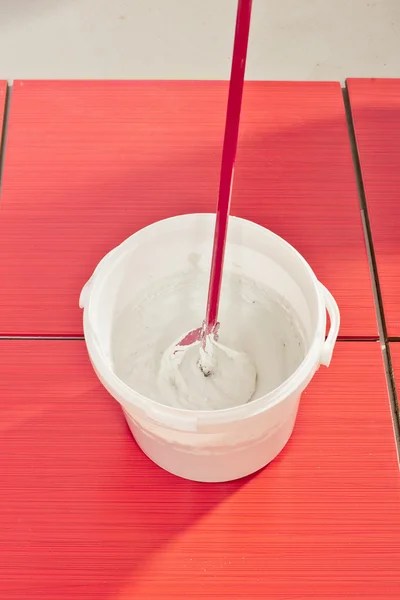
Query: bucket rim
(185, 419)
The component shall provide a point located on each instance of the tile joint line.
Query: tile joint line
(383, 337)
(3, 142)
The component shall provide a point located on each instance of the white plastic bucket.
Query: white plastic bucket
(208, 445)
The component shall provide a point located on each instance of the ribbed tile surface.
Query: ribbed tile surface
(89, 163)
(85, 515)
(375, 106)
(395, 354)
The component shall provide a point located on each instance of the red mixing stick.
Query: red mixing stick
(210, 325)
(228, 163)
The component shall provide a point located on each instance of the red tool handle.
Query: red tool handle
(228, 162)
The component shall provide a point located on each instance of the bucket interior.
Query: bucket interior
(171, 260)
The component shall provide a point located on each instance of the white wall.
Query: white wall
(290, 39)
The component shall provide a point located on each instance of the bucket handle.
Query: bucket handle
(87, 288)
(334, 316)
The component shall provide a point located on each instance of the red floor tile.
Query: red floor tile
(89, 163)
(375, 105)
(395, 354)
(84, 514)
